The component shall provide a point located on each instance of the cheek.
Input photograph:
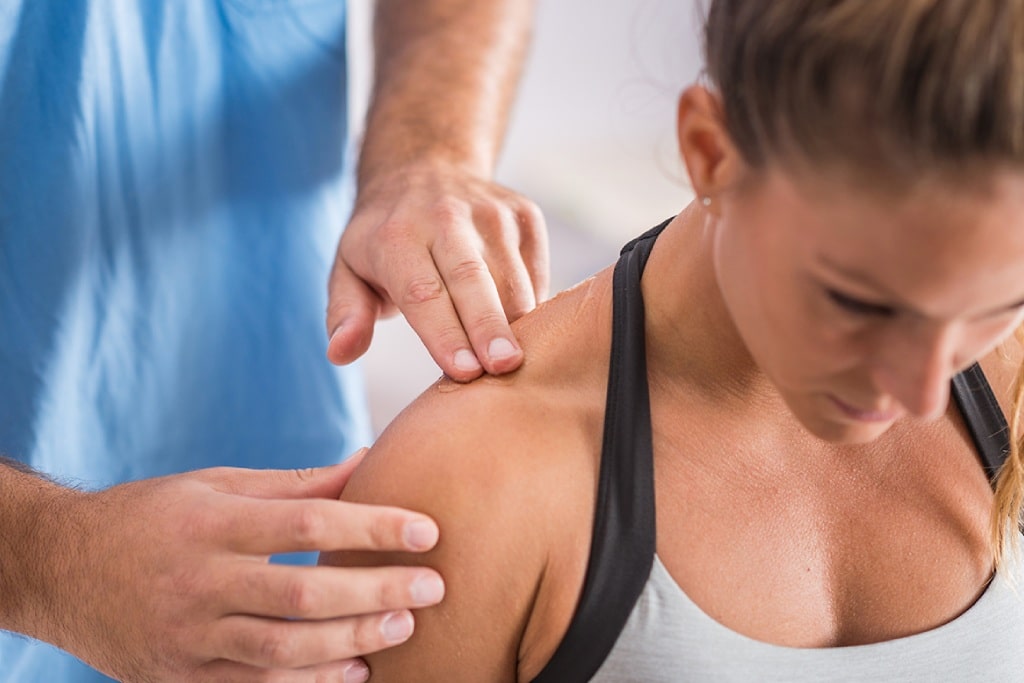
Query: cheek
(779, 321)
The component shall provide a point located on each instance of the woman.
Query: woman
(780, 487)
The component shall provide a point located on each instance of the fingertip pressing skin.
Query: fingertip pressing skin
(397, 627)
(356, 672)
(420, 534)
(504, 355)
(427, 589)
(464, 363)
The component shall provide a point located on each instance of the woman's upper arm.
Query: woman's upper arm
(463, 465)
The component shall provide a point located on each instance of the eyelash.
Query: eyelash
(856, 306)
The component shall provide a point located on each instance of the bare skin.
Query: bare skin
(432, 235)
(781, 515)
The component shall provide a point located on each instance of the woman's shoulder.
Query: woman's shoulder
(507, 467)
(516, 423)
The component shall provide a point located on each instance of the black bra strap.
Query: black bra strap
(623, 540)
(985, 420)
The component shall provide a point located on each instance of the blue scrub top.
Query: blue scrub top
(172, 188)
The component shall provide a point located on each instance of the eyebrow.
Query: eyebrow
(897, 302)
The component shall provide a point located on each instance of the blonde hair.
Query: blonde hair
(890, 91)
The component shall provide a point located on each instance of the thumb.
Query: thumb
(352, 310)
(313, 482)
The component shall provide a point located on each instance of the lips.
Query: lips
(861, 415)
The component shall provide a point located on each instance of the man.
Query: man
(172, 188)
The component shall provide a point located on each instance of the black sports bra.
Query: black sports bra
(623, 541)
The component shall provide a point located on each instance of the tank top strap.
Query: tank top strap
(623, 539)
(985, 420)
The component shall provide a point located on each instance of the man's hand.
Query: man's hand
(432, 236)
(458, 256)
(168, 579)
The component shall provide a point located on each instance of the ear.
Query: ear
(713, 162)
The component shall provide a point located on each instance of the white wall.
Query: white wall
(592, 137)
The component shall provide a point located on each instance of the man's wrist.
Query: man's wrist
(33, 518)
(445, 75)
(407, 172)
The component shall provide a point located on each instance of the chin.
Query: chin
(850, 433)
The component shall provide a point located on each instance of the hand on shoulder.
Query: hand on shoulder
(168, 579)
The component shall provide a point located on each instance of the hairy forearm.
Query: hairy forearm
(445, 76)
(28, 507)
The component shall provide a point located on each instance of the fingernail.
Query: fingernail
(427, 590)
(500, 349)
(397, 627)
(420, 535)
(466, 360)
(357, 672)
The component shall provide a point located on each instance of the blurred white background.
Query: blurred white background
(591, 141)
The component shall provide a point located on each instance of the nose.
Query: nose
(916, 368)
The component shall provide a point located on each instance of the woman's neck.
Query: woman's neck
(691, 339)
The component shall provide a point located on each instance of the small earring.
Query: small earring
(706, 201)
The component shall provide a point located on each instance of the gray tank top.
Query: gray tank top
(634, 623)
(669, 638)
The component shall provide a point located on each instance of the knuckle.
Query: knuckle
(302, 598)
(529, 215)
(490, 322)
(393, 589)
(305, 474)
(218, 473)
(385, 531)
(490, 215)
(468, 270)
(309, 526)
(275, 647)
(364, 635)
(533, 235)
(448, 212)
(422, 289)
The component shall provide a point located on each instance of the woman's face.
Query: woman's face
(860, 308)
